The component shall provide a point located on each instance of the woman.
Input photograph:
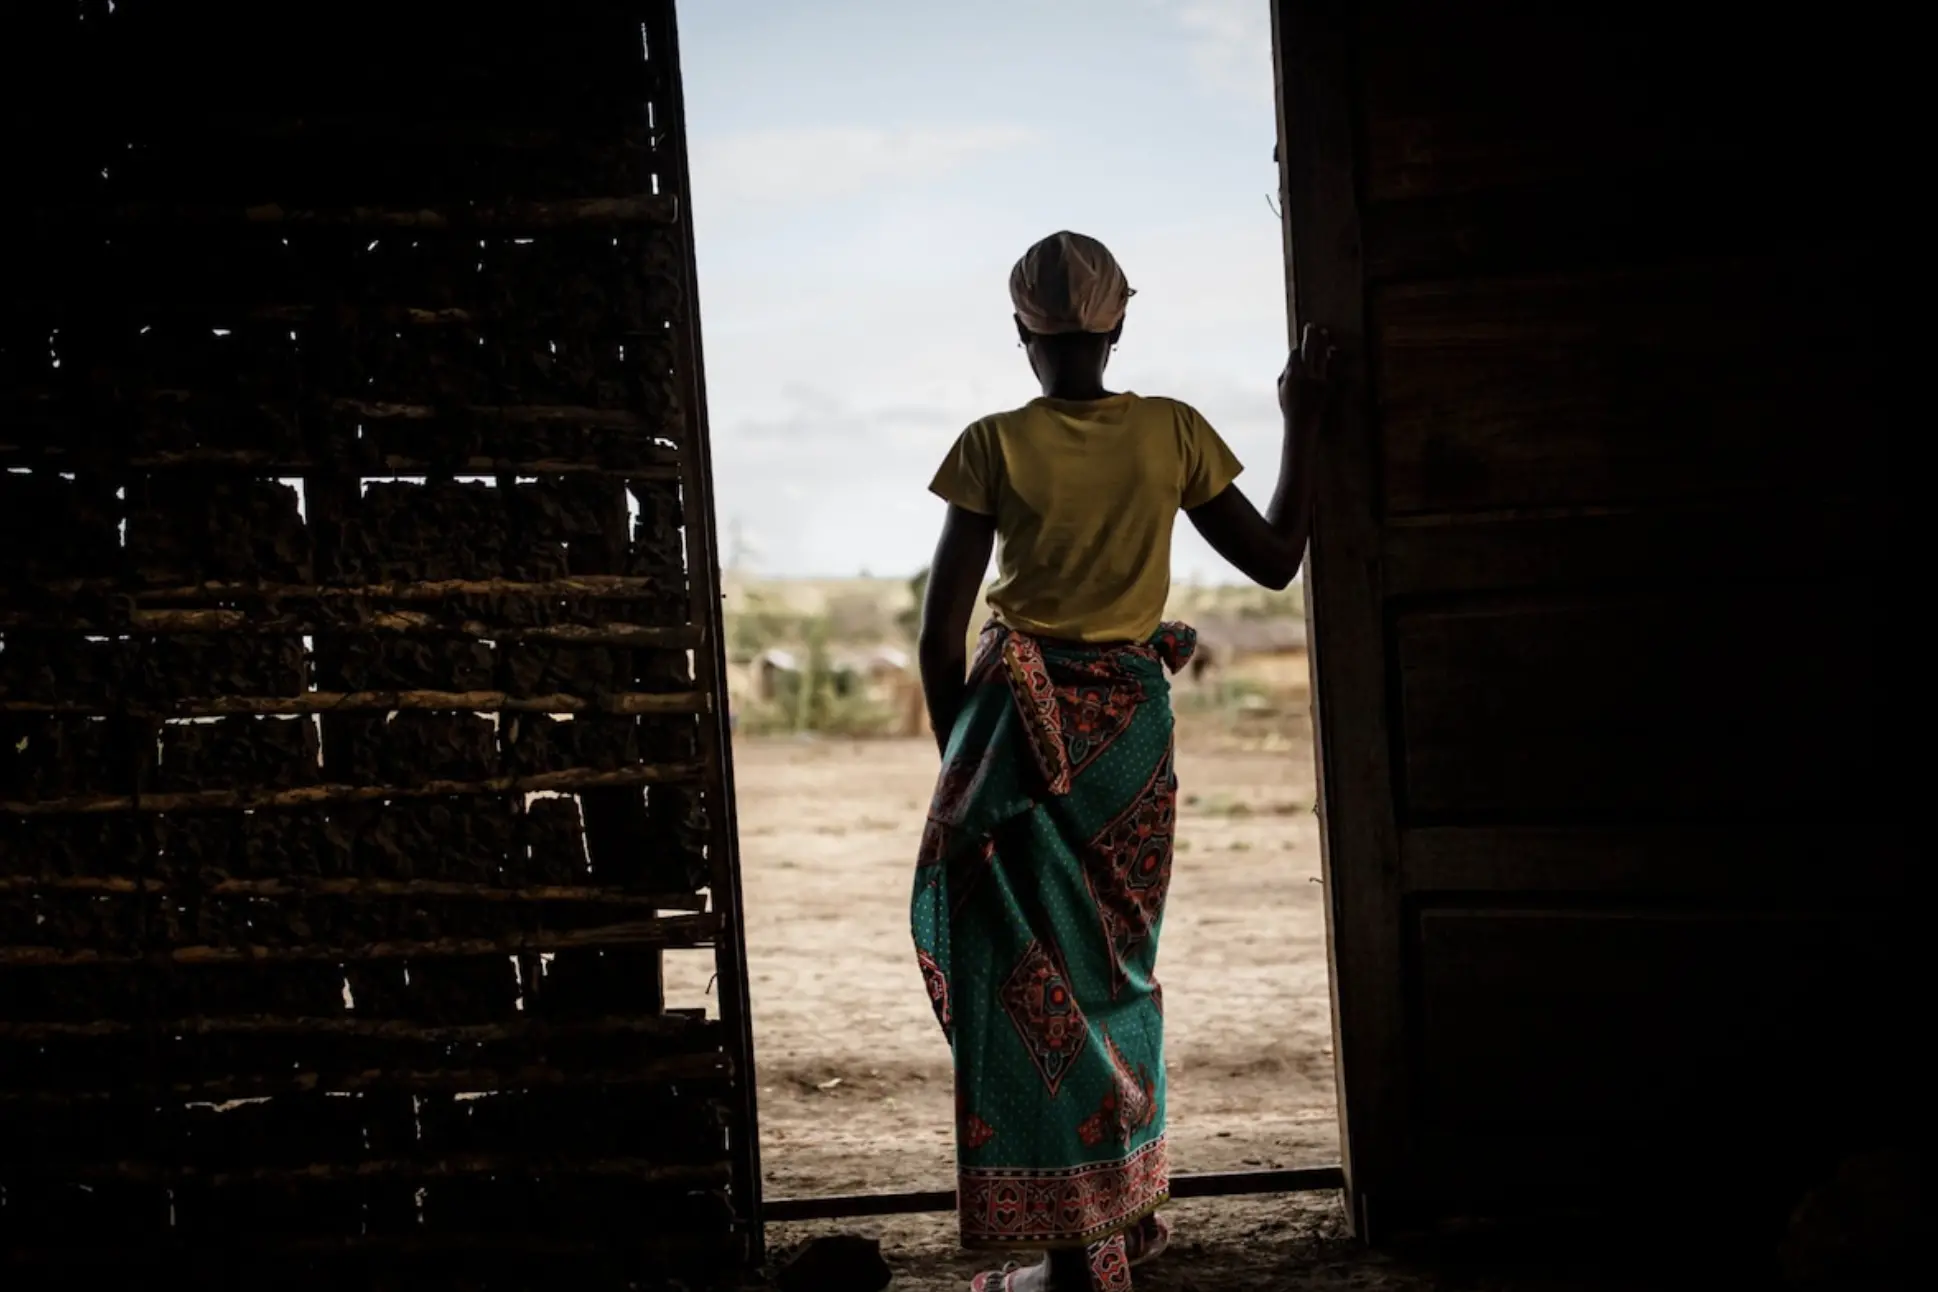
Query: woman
(1040, 887)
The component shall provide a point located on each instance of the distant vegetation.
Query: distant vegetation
(822, 644)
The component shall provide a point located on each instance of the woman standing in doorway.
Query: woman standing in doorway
(1039, 891)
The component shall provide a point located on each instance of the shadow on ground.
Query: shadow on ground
(1301, 1244)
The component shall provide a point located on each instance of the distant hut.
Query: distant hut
(768, 668)
(1225, 639)
(870, 670)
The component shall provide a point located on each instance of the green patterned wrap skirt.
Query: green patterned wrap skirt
(1039, 896)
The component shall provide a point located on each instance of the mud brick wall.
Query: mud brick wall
(359, 744)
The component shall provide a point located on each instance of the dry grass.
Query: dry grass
(826, 625)
(877, 604)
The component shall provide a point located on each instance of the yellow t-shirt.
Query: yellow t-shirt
(1085, 494)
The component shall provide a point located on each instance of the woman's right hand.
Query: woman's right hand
(1270, 548)
(1303, 384)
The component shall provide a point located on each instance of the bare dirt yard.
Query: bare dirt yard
(854, 1075)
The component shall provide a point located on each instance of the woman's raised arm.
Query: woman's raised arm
(1268, 549)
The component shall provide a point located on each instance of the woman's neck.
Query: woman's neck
(1076, 391)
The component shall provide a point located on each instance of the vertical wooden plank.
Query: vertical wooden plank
(1318, 150)
(703, 564)
(1604, 482)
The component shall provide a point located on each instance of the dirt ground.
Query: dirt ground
(854, 1076)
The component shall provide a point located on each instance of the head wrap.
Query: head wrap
(1069, 283)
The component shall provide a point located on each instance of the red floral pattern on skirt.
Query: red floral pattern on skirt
(1001, 1208)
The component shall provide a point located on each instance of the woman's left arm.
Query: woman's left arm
(955, 581)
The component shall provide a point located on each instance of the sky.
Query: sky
(865, 172)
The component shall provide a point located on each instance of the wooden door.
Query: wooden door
(1601, 592)
(362, 741)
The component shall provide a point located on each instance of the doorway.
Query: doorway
(888, 335)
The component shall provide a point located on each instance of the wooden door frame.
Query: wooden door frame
(1348, 655)
(1316, 139)
(710, 668)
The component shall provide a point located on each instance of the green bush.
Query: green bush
(819, 698)
(761, 626)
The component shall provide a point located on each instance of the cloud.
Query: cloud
(820, 432)
(826, 472)
(830, 488)
(1230, 42)
(789, 167)
(832, 400)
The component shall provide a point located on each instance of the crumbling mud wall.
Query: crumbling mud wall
(359, 750)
